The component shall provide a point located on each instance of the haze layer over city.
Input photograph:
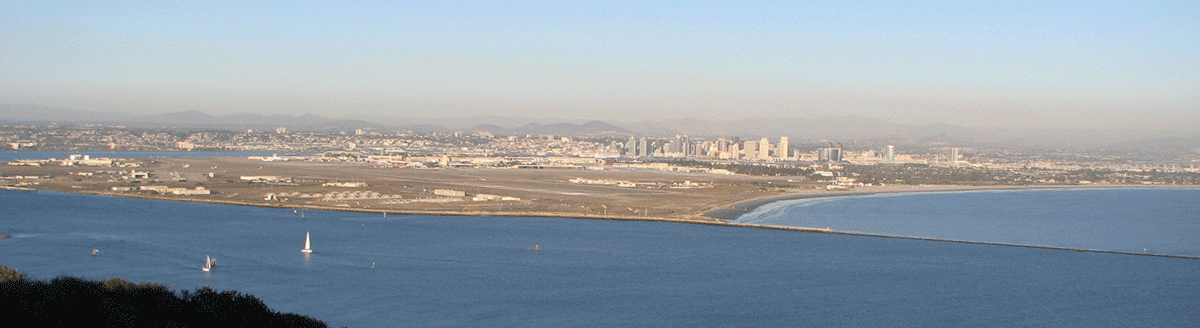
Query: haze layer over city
(1068, 65)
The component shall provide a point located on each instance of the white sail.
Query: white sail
(207, 264)
(307, 245)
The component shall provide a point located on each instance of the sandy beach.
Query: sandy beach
(735, 210)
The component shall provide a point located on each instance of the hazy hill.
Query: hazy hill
(868, 130)
(14, 113)
(462, 123)
(569, 129)
(847, 129)
(561, 129)
(489, 128)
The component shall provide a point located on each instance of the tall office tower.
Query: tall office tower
(643, 147)
(631, 147)
(764, 149)
(891, 153)
(830, 154)
(750, 149)
(953, 156)
(685, 146)
(783, 148)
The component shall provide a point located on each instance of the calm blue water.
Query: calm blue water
(482, 271)
(1161, 221)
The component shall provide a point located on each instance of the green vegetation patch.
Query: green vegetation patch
(70, 301)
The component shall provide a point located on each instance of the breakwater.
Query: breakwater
(829, 231)
(734, 210)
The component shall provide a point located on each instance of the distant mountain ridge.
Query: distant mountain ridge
(843, 128)
(593, 127)
(185, 119)
(14, 113)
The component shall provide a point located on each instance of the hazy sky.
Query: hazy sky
(1069, 64)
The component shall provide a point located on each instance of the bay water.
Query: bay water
(1158, 221)
(371, 271)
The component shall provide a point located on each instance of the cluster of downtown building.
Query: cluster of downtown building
(73, 138)
(733, 149)
(609, 147)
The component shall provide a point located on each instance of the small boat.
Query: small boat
(94, 251)
(307, 245)
(207, 264)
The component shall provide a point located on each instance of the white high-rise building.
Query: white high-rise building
(750, 149)
(764, 149)
(731, 151)
(783, 148)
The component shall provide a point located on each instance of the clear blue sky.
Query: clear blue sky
(1077, 64)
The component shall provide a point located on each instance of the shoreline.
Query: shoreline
(706, 218)
(734, 211)
(860, 234)
(566, 215)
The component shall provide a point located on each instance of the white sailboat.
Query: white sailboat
(307, 245)
(207, 264)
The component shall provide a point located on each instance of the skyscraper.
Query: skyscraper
(733, 150)
(685, 146)
(764, 149)
(891, 154)
(830, 154)
(750, 148)
(643, 147)
(954, 156)
(782, 153)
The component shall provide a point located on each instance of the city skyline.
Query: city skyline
(1078, 65)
